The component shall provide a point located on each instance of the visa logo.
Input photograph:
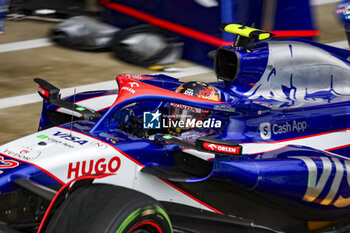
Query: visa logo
(71, 138)
(334, 173)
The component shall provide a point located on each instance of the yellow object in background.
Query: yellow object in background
(245, 31)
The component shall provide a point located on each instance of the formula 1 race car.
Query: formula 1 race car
(269, 154)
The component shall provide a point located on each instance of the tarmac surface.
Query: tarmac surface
(70, 68)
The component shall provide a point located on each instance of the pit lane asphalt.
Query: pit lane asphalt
(67, 68)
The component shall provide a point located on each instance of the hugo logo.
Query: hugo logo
(102, 165)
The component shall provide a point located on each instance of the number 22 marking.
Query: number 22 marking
(4, 164)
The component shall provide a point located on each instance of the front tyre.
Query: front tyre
(109, 209)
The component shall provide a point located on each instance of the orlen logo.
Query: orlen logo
(92, 167)
(265, 130)
(235, 150)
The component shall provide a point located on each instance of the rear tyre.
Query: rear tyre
(109, 209)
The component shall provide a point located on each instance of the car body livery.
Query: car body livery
(273, 155)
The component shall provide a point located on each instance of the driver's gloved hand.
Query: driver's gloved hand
(123, 116)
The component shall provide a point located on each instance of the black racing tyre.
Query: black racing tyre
(102, 208)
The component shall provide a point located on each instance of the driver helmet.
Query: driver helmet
(183, 112)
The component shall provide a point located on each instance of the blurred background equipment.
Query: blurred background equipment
(3, 12)
(62, 8)
(143, 45)
(81, 32)
(147, 45)
(342, 10)
(196, 22)
(52, 10)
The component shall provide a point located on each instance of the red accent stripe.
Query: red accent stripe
(167, 25)
(338, 147)
(145, 224)
(190, 196)
(63, 188)
(296, 33)
(194, 33)
(144, 89)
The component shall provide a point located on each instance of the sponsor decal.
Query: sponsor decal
(88, 167)
(7, 163)
(23, 153)
(44, 92)
(189, 92)
(129, 89)
(326, 182)
(134, 76)
(66, 144)
(151, 120)
(234, 150)
(42, 136)
(70, 138)
(99, 145)
(190, 108)
(224, 108)
(267, 130)
(132, 84)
